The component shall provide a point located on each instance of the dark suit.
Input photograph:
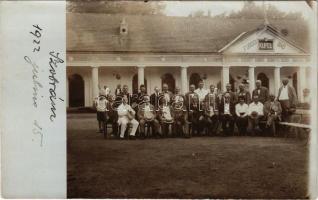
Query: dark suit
(227, 119)
(154, 100)
(262, 93)
(233, 97)
(245, 94)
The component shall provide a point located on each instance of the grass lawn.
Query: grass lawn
(200, 167)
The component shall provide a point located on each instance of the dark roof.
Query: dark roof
(87, 32)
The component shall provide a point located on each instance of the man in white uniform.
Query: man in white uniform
(126, 115)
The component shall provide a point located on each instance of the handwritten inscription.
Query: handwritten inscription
(37, 34)
(35, 77)
(54, 60)
(37, 130)
(36, 84)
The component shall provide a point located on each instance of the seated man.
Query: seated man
(255, 113)
(241, 111)
(165, 117)
(272, 112)
(147, 114)
(196, 116)
(226, 114)
(126, 115)
(211, 111)
(179, 113)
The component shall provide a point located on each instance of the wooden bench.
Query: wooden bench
(305, 127)
(297, 125)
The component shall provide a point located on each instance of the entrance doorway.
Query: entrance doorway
(264, 79)
(76, 91)
(169, 80)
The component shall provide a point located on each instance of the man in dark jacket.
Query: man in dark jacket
(261, 92)
(155, 98)
(226, 114)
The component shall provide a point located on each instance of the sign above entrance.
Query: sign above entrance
(265, 44)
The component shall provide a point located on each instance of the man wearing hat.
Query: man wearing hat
(288, 99)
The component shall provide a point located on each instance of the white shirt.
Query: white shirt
(284, 93)
(201, 93)
(123, 110)
(256, 107)
(241, 109)
(227, 108)
(101, 104)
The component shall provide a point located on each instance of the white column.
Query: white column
(301, 82)
(95, 81)
(225, 77)
(251, 78)
(141, 75)
(184, 79)
(277, 81)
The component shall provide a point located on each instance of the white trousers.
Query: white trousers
(123, 121)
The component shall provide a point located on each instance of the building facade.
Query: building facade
(102, 53)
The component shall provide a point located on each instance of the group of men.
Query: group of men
(198, 112)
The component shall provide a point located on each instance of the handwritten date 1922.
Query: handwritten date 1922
(37, 33)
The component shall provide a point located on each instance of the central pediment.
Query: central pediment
(265, 40)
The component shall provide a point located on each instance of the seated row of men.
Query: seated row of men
(166, 113)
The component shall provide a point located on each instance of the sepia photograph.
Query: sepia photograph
(189, 99)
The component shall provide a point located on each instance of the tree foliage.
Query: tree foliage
(116, 7)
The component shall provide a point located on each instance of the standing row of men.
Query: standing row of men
(173, 113)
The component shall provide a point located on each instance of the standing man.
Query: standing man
(201, 92)
(126, 115)
(261, 92)
(226, 114)
(118, 90)
(155, 98)
(211, 110)
(101, 107)
(190, 95)
(243, 93)
(147, 114)
(177, 96)
(231, 93)
(166, 93)
(141, 94)
(255, 113)
(288, 99)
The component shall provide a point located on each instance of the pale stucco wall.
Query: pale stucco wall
(153, 76)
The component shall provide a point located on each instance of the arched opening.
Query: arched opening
(168, 79)
(295, 82)
(76, 91)
(264, 79)
(135, 86)
(195, 79)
